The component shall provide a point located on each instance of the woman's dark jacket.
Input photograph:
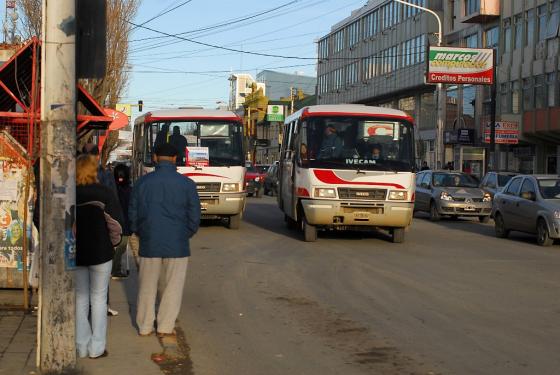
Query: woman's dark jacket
(93, 243)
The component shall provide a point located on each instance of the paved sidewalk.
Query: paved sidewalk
(128, 352)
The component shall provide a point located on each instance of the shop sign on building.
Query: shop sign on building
(507, 133)
(457, 65)
(275, 113)
(459, 136)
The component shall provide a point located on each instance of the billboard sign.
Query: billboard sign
(460, 66)
(275, 113)
(507, 133)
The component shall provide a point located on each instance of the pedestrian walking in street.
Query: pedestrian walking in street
(165, 213)
(98, 229)
(124, 190)
(425, 166)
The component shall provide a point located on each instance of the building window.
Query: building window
(338, 41)
(541, 25)
(540, 92)
(507, 35)
(553, 20)
(421, 48)
(469, 102)
(553, 90)
(472, 6)
(518, 24)
(353, 33)
(529, 27)
(352, 74)
(370, 24)
(471, 41)
(528, 98)
(427, 111)
(505, 102)
(492, 40)
(515, 97)
(324, 48)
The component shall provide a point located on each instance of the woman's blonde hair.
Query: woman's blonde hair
(86, 170)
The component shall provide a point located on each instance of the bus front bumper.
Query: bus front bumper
(323, 212)
(222, 204)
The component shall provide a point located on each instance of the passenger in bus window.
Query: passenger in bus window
(376, 152)
(180, 143)
(331, 148)
(161, 136)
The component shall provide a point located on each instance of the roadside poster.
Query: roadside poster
(459, 66)
(507, 133)
(124, 108)
(198, 157)
(275, 113)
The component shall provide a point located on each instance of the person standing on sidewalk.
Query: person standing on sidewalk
(98, 230)
(124, 190)
(165, 213)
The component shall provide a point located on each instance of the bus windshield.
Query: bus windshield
(221, 141)
(357, 143)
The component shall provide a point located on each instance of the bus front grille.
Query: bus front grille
(210, 187)
(370, 194)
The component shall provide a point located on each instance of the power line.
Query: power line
(163, 13)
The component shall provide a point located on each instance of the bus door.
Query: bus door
(288, 171)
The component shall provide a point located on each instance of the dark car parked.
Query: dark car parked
(271, 181)
(494, 182)
(530, 204)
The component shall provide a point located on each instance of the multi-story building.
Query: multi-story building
(241, 85)
(377, 56)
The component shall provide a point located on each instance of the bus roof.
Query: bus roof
(188, 114)
(348, 110)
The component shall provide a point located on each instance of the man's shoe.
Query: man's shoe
(102, 355)
(111, 312)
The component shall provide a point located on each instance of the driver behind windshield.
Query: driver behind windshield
(331, 147)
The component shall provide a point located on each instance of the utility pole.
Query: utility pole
(440, 91)
(291, 100)
(57, 348)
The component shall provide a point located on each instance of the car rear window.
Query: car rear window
(550, 188)
(503, 179)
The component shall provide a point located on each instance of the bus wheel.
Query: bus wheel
(309, 231)
(234, 221)
(397, 235)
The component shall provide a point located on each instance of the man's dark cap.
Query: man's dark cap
(166, 149)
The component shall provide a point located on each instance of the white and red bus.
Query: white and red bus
(347, 167)
(210, 143)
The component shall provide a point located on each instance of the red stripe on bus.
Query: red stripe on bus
(329, 177)
(203, 175)
(357, 114)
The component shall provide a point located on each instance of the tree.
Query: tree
(109, 89)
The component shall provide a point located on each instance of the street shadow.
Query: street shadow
(475, 227)
(130, 287)
(265, 214)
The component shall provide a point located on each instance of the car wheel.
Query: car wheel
(483, 219)
(397, 235)
(234, 221)
(309, 231)
(499, 226)
(434, 214)
(543, 235)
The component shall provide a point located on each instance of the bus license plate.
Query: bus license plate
(470, 208)
(361, 215)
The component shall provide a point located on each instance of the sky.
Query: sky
(167, 72)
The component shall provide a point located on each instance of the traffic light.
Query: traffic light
(140, 104)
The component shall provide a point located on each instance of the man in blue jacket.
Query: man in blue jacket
(164, 212)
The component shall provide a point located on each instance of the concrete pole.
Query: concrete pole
(58, 187)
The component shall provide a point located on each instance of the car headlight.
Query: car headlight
(257, 179)
(557, 214)
(398, 195)
(325, 193)
(487, 198)
(444, 196)
(230, 187)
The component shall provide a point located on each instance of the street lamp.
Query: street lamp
(439, 91)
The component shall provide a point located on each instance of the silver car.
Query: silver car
(529, 204)
(448, 193)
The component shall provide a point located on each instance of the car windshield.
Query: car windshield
(251, 169)
(202, 143)
(454, 180)
(357, 143)
(503, 179)
(550, 188)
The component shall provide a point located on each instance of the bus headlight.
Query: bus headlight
(230, 187)
(325, 193)
(398, 195)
